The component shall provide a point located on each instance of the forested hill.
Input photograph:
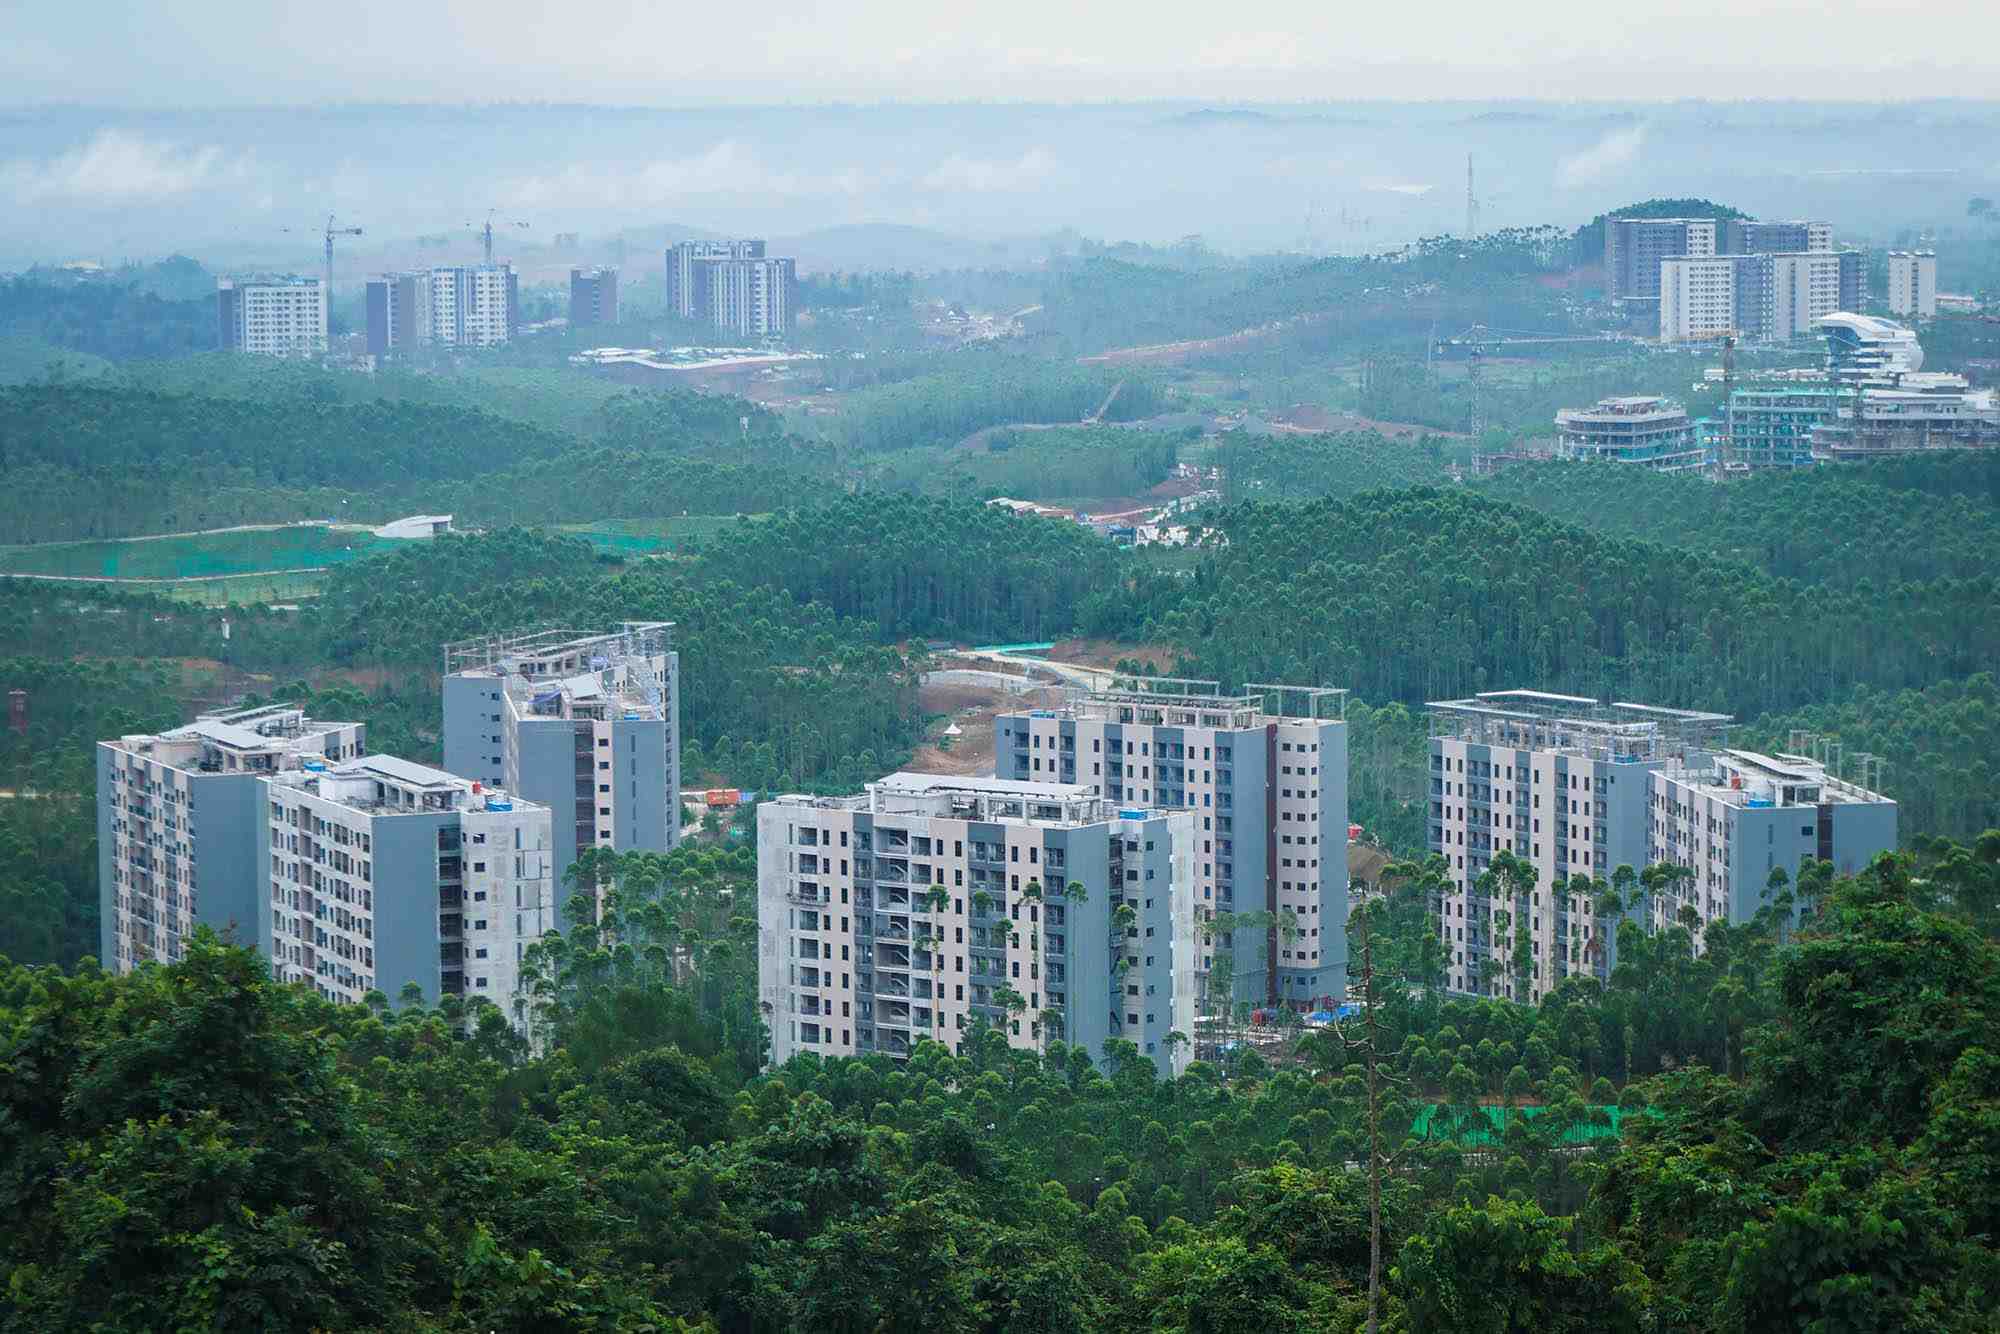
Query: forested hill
(1425, 594)
(1915, 519)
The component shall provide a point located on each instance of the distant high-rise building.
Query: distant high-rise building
(398, 311)
(271, 317)
(1747, 236)
(1634, 247)
(733, 286)
(1913, 283)
(593, 297)
(475, 305)
(1756, 297)
(684, 293)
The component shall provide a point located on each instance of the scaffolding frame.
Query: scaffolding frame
(1184, 701)
(632, 639)
(1621, 732)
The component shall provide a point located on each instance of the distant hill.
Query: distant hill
(881, 245)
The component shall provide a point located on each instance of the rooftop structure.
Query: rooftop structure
(1577, 725)
(558, 673)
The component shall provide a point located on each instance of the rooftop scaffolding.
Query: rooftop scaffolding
(1578, 725)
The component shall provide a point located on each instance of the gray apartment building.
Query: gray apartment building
(593, 296)
(177, 821)
(1633, 249)
(1263, 773)
(379, 872)
(1561, 781)
(910, 911)
(1735, 816)
(584, 724)
(733, 286)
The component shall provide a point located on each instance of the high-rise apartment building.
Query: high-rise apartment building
(684, 282)
(914, 910)
(1747, 236)
(1912, 283)
(378, 873)
(177, 821)
(1562, 782)
(349, 872)
(1646, 430)
(593, 296)
(1264, 775)
(475, 305)
(398, 307)
(1756, 297)
(1735, 816)
(271, 317)
(1634, 247)
(733, 286)
(586, 725)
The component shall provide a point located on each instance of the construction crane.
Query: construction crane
(486, 232)
(332, 231)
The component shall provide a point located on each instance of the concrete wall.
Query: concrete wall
(472, 709)
(405, 852)
(230, 817)
(645, 802)
(107, 890)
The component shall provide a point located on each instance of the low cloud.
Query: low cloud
(725, 168)
(116, 167)
(1035, 167)
(1614, 150)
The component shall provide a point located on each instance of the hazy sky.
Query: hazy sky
(221, 52)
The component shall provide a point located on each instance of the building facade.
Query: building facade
(684, 261)
(177, 820)
(1756, 297)
(1912, 284)
(1561, 782)
(475, 305)
(271, 317)
(734, 287)
(1734, 817)
(931, 903)
(586, 725)
(1648, 431)
(593, 296)
(1771, 426)
(1264, 776)
(1634, 248)
(379, 873)
(398, 309)
(1747, 236)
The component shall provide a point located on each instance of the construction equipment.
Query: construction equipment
(332, 231)
(486, 232)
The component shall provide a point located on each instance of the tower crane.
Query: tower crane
(330, 232)
(486, 232)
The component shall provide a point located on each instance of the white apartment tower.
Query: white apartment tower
(1263, 774)
(1561, 782)
(1913, 283)
(271, 317)
(585, 724)
(912, 911)
(177, 819)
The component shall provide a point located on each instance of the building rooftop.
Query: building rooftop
(986, 800)
(1579, 725)
(1747, 779)
(389, 785)
(560, 674)
(262, 739)
(1178, 701)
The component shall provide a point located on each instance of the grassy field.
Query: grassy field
(644, 536)
(245, 589)
(249, 551)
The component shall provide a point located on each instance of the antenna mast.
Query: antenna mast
(1471, 202)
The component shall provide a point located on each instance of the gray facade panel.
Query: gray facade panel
(471, 710)
(228, 812)
(107, 890)
(406, 903)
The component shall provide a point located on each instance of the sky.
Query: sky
(152, 54)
